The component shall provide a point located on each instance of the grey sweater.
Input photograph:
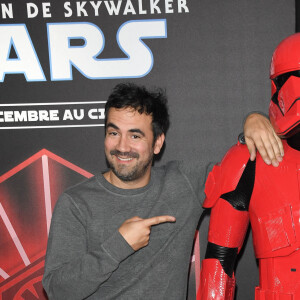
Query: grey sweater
(87, 258)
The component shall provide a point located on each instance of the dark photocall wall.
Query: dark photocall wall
(59, 61)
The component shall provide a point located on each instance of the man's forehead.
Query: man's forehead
(127, 112)
(128, 119)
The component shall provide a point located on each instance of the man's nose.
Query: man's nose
(124, 144)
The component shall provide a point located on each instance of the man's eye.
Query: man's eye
(113, 133)
(134, 136)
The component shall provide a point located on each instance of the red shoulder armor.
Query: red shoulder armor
(225, 176)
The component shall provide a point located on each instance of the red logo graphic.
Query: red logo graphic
(28, 194)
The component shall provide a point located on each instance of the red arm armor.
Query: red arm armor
(228, 191)
(214, 282)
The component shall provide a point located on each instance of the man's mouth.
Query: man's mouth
(124, 156)
(124, 159)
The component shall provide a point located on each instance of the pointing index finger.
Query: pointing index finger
(159, 219)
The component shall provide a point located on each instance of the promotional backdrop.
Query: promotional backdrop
(59, 61)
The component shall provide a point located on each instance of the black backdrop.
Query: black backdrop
(214, 65)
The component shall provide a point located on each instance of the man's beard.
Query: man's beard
(135, 172)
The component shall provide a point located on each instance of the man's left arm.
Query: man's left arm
(259, 134)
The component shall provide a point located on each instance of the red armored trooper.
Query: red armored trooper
(239, 190)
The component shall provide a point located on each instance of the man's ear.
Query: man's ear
(159, 143)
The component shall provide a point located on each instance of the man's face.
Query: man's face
(129, 147)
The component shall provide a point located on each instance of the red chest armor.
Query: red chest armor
(274, 209)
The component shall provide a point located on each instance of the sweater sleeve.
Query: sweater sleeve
(196, 174)
(71, 270)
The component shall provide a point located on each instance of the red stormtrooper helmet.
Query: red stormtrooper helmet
(284, 110)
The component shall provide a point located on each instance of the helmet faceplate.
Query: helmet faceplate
(285, 115)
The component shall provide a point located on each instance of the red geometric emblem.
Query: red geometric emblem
(28, 194)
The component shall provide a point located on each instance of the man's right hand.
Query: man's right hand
(136, 231)
(260, 135)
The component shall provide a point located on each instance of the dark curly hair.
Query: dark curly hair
(153, 103)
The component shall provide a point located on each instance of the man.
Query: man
(239, 189)
(128, 233)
